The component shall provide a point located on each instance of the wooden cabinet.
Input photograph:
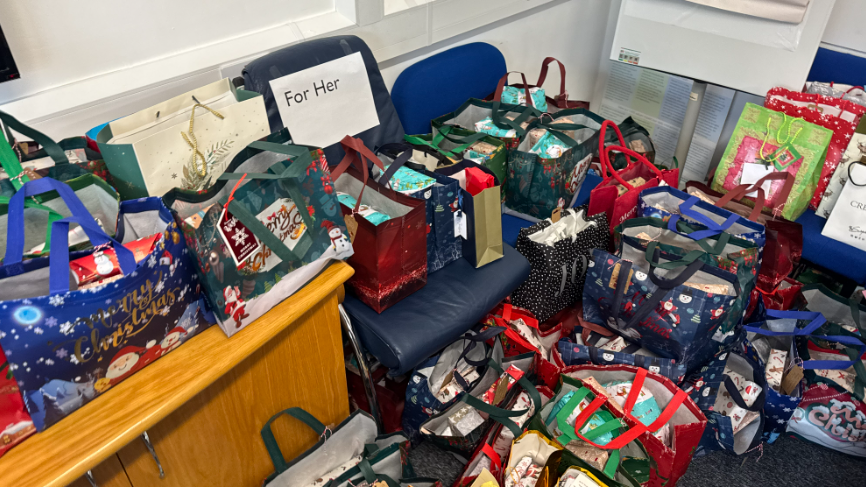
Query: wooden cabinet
(204, 404)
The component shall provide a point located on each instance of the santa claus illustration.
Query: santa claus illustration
(338, 240)
(125, 363)
(235, 306)
(667, 309)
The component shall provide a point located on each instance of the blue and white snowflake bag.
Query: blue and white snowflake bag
(66, 343)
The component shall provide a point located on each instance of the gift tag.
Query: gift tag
(792, 378)
(241, 242)
(785, 156)
(556, 215)
(460, 226)
(752, 173)
(30, 173)
(351, 227)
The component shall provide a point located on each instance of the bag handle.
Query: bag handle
(563, 93)
(497, 95)
(9, 160)
(738, 193)
(742, 190)
(678, 226)
(497, 116)
(475, 339)
(640, 158)
(503, 416)
(280, 464)
(53, 216)
(405, 153)
(360, 156)
(372, 477)
(757, 405)
(602, 155)
(713, 228)
(568, 409)
(445, 133)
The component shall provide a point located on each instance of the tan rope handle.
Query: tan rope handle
(196, 154)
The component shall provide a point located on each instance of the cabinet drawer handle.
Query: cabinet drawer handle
(146, 439)
(89, 477)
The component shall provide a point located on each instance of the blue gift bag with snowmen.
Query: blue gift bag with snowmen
(67, 340)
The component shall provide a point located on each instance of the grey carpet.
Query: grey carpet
(789, 462)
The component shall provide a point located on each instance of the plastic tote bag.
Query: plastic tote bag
(554, 103)
(843, 224)
(441, 196)
(334, 460)
(765, 141)
(263, 235)
(185, 142)
(570, 353)
(617, 194)
(101, 332)
(393, 261)
(558, 254)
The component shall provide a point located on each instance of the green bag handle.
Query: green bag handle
(9, 160)
(280, 464)
(445, 133)
(557, 128)
(570, 406)
(53, 216)
(288, 178)
(502, 416)
(371, 477)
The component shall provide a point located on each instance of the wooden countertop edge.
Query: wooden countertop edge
(67, 450)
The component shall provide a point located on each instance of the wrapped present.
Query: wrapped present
(486, 126)
(517, 96)
(646, 409)
(549, 147)
(725, 404)
(776, 368)
(592, 455)
(466, 418)
(618, 344)
(371, 215)
(102, 264)
(577, 477)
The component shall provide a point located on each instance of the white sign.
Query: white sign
(323, 104)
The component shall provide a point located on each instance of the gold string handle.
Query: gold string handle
(196, 154)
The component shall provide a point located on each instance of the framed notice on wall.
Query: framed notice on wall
(8, 69)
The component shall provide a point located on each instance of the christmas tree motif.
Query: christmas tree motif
(696, 318)
(192, 178)
(268, 286)
(278, 278)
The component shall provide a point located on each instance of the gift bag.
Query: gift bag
(731, 391)
(846, 92)
(674, 314)
(334, 459)
(479, 203)
(436, 383)
(764, 142)
(73, 330)
(440, 194)
(521, 334)
(263, 235)
(617, 194)
(856, 151)
(391, 228)
(451, 144)
(184, 142)
(19, 426)
(850, 209)
(839, 116)
(558, 254)
(549, 165)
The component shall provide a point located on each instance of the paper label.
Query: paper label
(460, 227)
(752, 173)
(351, 227)
(792, 378)
(282, 219)
(240, 241)
(313, 103)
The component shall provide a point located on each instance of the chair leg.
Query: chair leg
(369, 386)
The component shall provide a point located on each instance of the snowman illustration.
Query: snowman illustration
(104, 266)
(235, 306)
(338, 240)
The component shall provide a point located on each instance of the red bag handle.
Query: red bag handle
(358, 154)
(640, 158)
(501, 86)
(742, 190)
(855, 88)
(605, 164)
(563, 94)
(639, 428)
(495, 460)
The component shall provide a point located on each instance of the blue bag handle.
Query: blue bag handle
(713, 228)
(15, 216)
(58, 259)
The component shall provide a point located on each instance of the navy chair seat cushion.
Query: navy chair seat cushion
(454, 300)
(828, 253)
(259, 73)
(441, 83)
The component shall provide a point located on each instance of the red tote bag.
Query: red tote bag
(390, 258)
(606, 197)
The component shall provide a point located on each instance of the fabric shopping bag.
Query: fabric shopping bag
(856, 151)
(18, 425)
(554, 103)
(652, 306)
(850, 209)
(264, 234)
(480, 205)
(765, 141)
(441, 195)
(521, 334)
(334, 459)
(71, 336)
(558, 255)
(452, 144)
(569, 353)
(184, 142)
(617, 194)
(436, 383)
(731, 390)
(393, 262)
(840, 116)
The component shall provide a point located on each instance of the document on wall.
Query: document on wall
(658, 101)
(708, 129)
(323, 104)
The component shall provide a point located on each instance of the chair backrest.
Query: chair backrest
(838, 67)
(259, 73)
(441, 83)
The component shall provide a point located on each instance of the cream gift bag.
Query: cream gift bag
(185, 142)
(847, 222)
